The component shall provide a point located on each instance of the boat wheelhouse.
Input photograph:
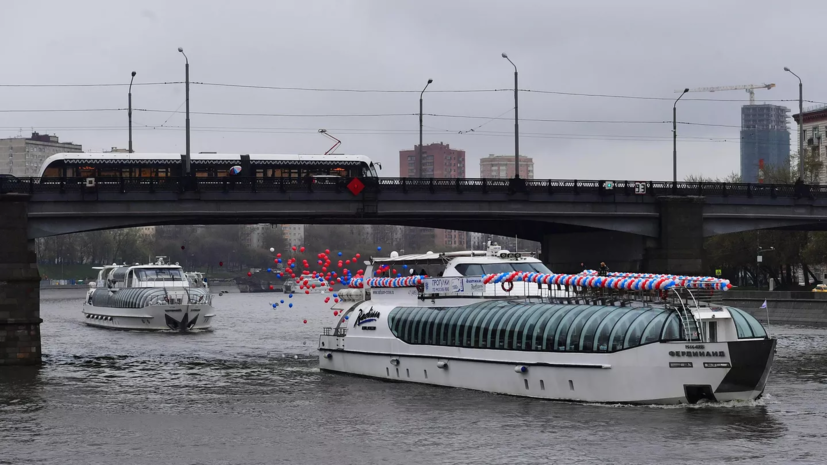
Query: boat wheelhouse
(649, 339)
(158, 296)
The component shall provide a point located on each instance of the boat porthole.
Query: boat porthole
(542, 385)
(526, 382)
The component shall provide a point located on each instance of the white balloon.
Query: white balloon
(272, 249)
(394, 254)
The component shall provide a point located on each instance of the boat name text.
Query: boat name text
(366, 317)
(697, 353)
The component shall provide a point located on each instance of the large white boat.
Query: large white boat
(619, 338)
(158, 296)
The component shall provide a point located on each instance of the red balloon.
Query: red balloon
(271, 287)
(302, 249)
(327, 251)
(307, 292)
(324, 269)
(182, 247)
(294, 248)
(220, 263)
(357, 255)
(330, 290)
(305, 321)
(278, 255)
(249, 274)
(336, 313)
(314, 286)
(347, 262)
(336, 300)
(394, 271)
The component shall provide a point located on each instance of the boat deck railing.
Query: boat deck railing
(335, 332)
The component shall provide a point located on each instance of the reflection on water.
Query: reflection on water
(249, 391)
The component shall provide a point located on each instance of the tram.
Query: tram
(204, 165)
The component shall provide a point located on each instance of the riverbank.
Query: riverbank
(783, 307)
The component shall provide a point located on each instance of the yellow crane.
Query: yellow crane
(750, 88)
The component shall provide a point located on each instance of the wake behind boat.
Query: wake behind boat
(649, 339)
(157, 296)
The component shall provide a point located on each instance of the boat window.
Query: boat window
(497, 324)
(604, 330)
(159, 274)
(635, 331)
(469, 269)
(619, 331)
(531, 267)
(569, 339)
(590, 328)
(549, 327)
(514, 335)
(672, 328)
(653, 331)
(524, 338)
(547, 337)
(745, 325)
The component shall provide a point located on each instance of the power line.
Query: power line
(364, 91)
(113, 84)
(61, 110)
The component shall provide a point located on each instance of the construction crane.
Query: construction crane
(750, 88)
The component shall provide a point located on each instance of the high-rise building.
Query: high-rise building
(765, 140)
(813, 132)
(438, 161)
(20, 156)
(502, 167)
(293, 234)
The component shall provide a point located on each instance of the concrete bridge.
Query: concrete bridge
(645, 226)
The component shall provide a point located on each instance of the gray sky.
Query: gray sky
(638, 48)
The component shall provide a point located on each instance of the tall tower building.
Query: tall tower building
(765, 140)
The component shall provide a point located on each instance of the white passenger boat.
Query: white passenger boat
(157, 296)
(622, 338)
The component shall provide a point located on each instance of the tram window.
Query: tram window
(52, 172)
(163, 172)
(146, 172)
(126, 172)
(108, 173)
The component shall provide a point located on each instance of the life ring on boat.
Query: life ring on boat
(507, 286)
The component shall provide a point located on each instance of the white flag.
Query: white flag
(764, 305)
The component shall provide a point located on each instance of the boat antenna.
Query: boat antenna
(335, 146)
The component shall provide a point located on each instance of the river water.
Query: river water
(250, 392)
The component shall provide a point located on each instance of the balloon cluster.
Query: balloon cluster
(409, 281)
(308, 280)
(692, 282)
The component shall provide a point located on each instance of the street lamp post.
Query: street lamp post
(420, 125)
(130, 110)
(516, 123)
(800, 125)
(675, 137)
(187, 91)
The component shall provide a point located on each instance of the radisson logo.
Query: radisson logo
(368, 317)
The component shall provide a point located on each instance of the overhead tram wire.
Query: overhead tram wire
(393, 91)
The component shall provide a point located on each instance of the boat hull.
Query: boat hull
(182, 318)
(643, 375)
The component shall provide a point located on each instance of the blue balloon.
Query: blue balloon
(279, 275)
(275, 305)
(399, 275)
(292, 265)
(291, 305)
(269, 270)
(282, 301)
(279, 260)
(335, 295)
(290, 296)
(405, 266)
(347, 317)
(340, 254)
(379, 248)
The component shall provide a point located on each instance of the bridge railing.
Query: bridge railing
(406, 185)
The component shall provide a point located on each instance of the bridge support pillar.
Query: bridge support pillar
(678, 250)
(19, 286)
(681, 244)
